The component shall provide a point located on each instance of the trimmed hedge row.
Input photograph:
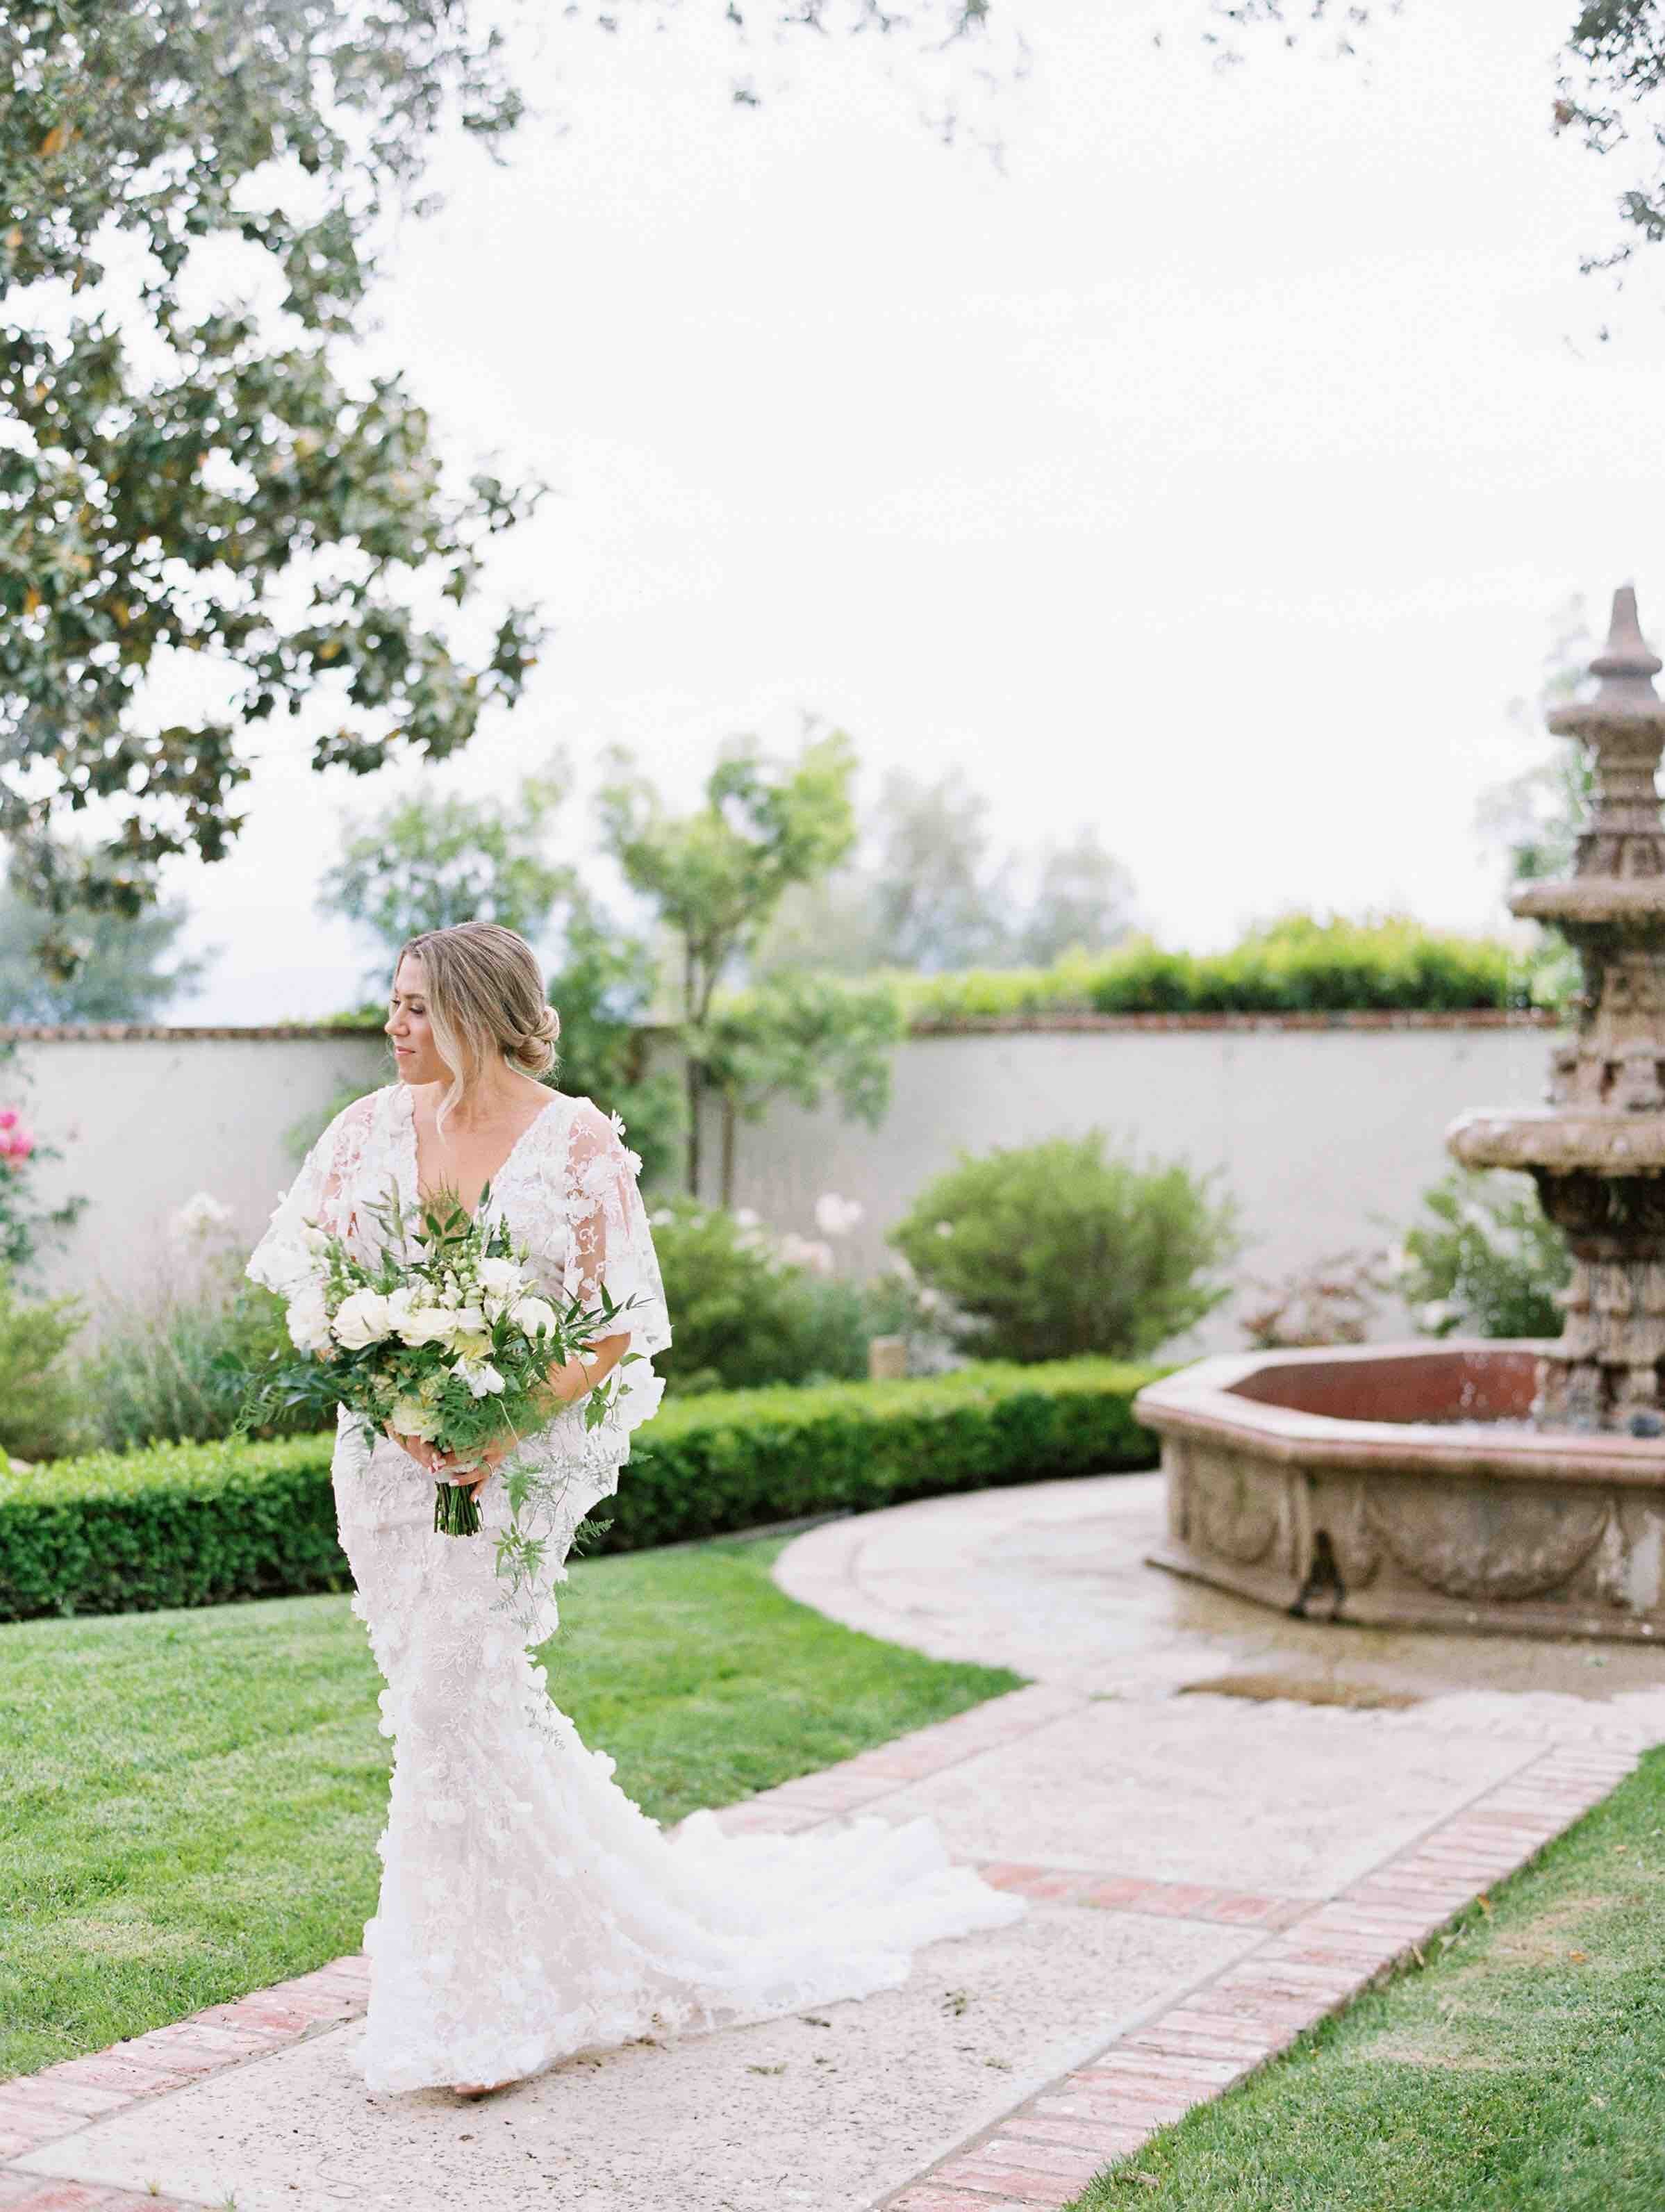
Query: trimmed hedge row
(199, 1524)
(1296, 965)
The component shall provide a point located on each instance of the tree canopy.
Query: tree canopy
(204, 513)
(430, 859)
(126, 970)
(1608, 91)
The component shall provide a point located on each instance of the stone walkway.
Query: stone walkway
(1226, 1825)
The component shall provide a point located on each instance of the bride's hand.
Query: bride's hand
(488, 1458)
(430, 1460)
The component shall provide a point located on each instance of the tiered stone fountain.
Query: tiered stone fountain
(1518, 1485)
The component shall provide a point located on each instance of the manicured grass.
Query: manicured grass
(190, 1801)
(1521, 2069)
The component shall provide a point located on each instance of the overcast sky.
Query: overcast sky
(1213, 474)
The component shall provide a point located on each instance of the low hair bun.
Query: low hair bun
(535, 1052)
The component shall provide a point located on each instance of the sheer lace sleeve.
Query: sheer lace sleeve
(321, 1195)
(610, 1243)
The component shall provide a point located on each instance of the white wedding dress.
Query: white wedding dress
(529, 1909)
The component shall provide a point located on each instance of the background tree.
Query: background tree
(125, 970)
(801, 1036)
(716, 876)
(430, 859)
(1536, 815)
(1083, 901)
(178, 480)
(938, 898)
(925, 890)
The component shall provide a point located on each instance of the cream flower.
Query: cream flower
(363, 1319)
(502, 1277)
(535, 1315)
(308, 1321)
(411, 1420)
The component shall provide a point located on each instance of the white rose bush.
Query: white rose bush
(446, 1335)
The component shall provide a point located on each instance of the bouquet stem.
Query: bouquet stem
(455, 1513)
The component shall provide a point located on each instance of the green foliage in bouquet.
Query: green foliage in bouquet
(1488, 1262)
(1045, 1250)
(443, 1337)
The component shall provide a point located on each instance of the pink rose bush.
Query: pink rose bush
(16, 1143)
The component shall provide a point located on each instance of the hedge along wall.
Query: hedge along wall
(200, 1524)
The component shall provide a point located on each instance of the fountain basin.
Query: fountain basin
(1401, 1485)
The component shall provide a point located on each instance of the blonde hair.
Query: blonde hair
(486, 996)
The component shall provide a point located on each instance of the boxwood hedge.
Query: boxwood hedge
(197, 1524)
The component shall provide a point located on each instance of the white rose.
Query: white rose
(501, 1282)
(309, 1320)
(410, 1419)
(413, 1324)
(462, 1322)
(288, 1269)
(535, 1315)
(362, 1320)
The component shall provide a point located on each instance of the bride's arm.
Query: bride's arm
(607, 1246)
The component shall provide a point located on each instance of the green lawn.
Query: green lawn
(189, 1802)
(1522, 2070)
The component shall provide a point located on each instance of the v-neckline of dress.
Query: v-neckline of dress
(491, 1182)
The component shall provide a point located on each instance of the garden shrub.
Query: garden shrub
(177, 1368)
(40, 1403)
(198, 1524)
(1488, 1263)
(1049, 1250)
(753, 1309)
(173, 1365)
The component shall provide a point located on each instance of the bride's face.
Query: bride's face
(407, 1025)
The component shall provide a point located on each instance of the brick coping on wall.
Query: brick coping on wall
(1060, 1020)
(156, 1033)
(1314, 1955)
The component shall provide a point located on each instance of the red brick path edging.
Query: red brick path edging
(1316, 1955)
(1039, 2157)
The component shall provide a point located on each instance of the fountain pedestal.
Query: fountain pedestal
(1596, 1151)
(1508, 1486)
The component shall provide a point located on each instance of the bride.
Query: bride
(528, 1908)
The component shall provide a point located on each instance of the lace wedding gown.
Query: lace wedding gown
(529, 1909)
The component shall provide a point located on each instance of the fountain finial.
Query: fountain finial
(1626, 663)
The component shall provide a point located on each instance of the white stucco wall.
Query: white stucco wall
(1323, 1135)
(1317, 1133)
(145, 1122)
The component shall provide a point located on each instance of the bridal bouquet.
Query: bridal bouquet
(446, 1336)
